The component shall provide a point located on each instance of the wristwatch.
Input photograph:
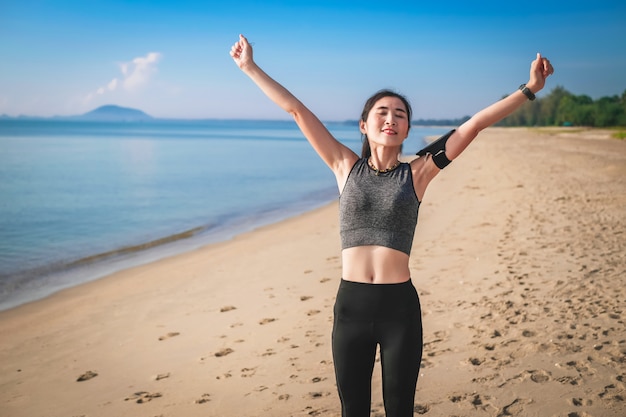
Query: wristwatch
(527, 92)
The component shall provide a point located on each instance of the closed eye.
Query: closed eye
(383, 110)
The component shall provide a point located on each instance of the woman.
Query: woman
(377, 304)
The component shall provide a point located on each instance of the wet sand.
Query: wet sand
(519, 259)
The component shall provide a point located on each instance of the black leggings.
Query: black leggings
(367, 315)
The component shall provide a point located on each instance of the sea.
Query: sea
(80, 200)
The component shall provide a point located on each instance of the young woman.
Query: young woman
(377, 304)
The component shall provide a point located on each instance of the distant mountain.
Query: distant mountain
(111, 113)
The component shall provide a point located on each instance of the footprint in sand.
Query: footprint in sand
(474, 399)
(266, 321)
(421, 408)
(431, 345)
(318, 394)
(579, 402)
(204, 398)
(476, 361)
(143, 397)
(487, 378)
(539, 376)
(516, 408)
(248, 372)
(305, 297)
(223, 352)
(571, 380)
(313, 412)
(580, 367)
(426, 363)
(268, 352)
(170, 334)
(87, 376)
(612, 394)
(227, 308)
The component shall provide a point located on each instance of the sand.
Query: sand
(519, 259)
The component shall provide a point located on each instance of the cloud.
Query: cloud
(112, 85)
(135, 74)
(138, 71)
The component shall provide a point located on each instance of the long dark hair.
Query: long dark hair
(366, 151)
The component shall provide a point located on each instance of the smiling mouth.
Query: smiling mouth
(390, 131)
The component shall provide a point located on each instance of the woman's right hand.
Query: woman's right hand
(242, 52)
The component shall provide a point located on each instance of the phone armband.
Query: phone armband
(438, 150)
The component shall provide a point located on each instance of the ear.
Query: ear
(362, 127)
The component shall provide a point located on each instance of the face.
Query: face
(387, 122)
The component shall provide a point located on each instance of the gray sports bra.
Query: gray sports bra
(378, 208)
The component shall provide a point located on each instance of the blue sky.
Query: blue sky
(170, 58)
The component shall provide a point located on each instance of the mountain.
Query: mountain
(111, 113)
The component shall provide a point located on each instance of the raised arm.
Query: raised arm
(336, 155)
(540, 69)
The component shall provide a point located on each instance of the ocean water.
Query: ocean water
(80, 200)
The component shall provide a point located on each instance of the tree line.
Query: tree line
(562, 108)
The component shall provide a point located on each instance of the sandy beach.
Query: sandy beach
(519, 259)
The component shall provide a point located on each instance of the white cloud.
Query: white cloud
(135, 74)
(138, 71)
(112, 85)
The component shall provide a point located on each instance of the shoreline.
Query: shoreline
(518, 260)
(37, 283)
(28, 285)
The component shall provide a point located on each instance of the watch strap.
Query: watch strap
(527, 92)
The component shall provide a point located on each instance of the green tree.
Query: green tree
(560, 107)
(575, 110)
(549, 106)
(607, 111)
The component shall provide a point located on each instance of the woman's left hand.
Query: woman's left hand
(540, 69)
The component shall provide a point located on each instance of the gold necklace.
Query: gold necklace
(382, 171)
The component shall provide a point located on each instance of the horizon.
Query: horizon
(450, 60)
(4, 116)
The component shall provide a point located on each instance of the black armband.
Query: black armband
(438, 150)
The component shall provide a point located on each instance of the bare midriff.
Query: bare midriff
(375, 265)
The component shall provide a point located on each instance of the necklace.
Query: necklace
(383, 171)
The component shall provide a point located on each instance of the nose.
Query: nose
(390, 120)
